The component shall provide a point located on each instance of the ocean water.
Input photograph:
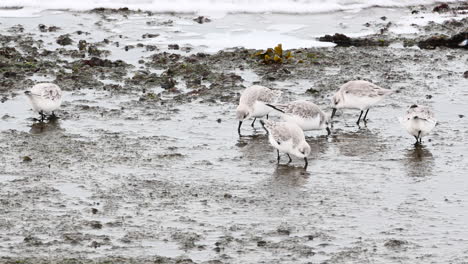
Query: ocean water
(211, 6)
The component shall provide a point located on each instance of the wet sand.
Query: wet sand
(145, 164)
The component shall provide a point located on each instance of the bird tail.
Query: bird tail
(388, 91)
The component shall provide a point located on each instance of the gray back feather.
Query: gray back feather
(363, 89)
(258, 93)
(303, 109)
(47, 91)
(284, 131)
(422, 112)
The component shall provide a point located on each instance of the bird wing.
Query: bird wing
(258, 93)
(304, 109)
(267, 95)
(364, 89)
(52, 94)
(47, 91)
(422, 112)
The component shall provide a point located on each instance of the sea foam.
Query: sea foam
(210, 6)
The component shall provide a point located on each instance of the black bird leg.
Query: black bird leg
(328, 131)
(290, 160)
(277, 152)
(239, 127)
(255, 119)
(359, 119)
(267, 117)
(306, 163)
(365, 116)
(42, 116)
(263, 125)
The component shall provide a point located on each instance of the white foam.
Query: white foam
(32, 7)
(252, 40)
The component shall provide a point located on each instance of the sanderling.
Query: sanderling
(45, 98)
(253, 102)
(287, 137)
(306, 115)
(418, 121)
(358, 95)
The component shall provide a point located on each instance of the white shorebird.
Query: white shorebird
(360, 95)
(306, 115)
(45, 98)
(418, 121)
(287, 137)
(253, 102)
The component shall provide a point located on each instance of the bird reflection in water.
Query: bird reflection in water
(287, 175)
(418, 161)
(46, 126)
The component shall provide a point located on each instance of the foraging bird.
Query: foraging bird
(45, 98)
(418, 121)
(253, 102)
(287, 137)
(360, 95)
(307, 115)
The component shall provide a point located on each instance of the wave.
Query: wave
(210, 6)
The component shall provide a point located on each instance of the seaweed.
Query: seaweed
(274, 55)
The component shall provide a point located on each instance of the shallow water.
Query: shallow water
(363, 187)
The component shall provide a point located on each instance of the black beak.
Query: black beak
(238, 128)
(333, 113)
(27, 93)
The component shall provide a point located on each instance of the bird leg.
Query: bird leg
(359, 119)
(290, 160)
(263, 125)
(365, 116)
(42, 116)
(306, 163)
(239, 127)
(267, 117)
(277, 152)
(333, 113)
(255, 119)
(328, 131)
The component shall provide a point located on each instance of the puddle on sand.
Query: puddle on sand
(73, 190)
(6, 178)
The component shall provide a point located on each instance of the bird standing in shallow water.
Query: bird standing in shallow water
(360, 95)
(287, 137)
(307, 115)
(418, 121)
(45, 98)
(253, 102)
